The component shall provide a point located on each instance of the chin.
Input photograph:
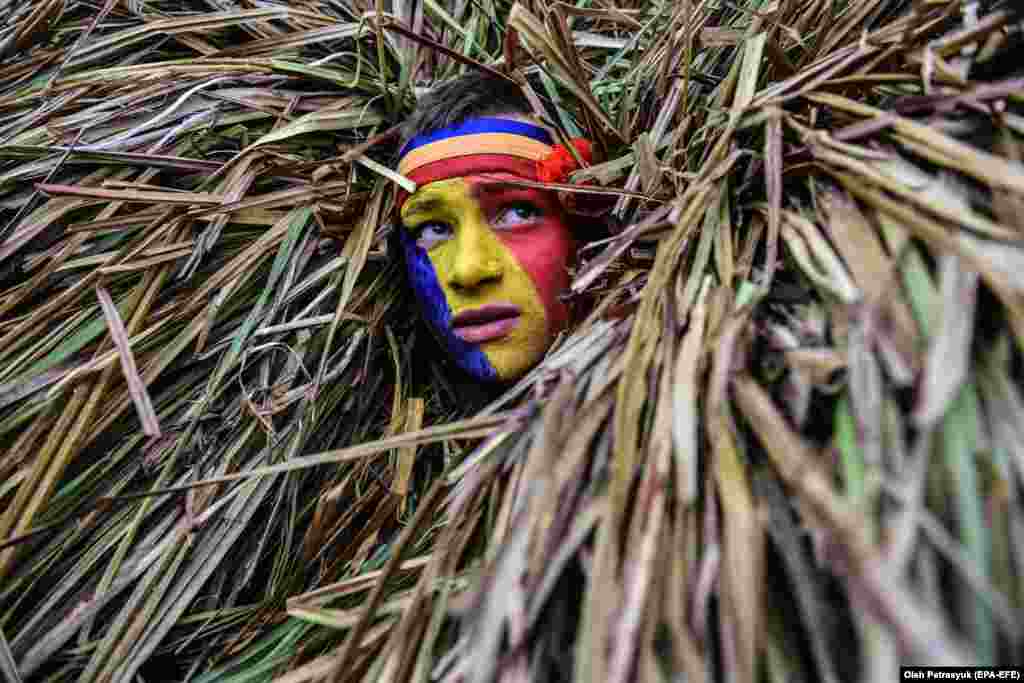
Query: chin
(515, 368)
(518, 353)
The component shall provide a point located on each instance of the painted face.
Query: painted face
(488, 261)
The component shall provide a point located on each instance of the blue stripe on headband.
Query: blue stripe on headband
(479, 125)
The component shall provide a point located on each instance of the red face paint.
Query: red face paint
(531, 224)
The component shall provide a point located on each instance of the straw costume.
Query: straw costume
(259, 420)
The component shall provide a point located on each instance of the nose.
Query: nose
(476, 260)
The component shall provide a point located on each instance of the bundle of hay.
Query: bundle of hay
(785, 444)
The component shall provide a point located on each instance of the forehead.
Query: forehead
(474, 187)
(436, 195)
(440, 188)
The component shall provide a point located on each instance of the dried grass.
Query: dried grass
(785, 444)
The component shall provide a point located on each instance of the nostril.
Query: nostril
(473, 268)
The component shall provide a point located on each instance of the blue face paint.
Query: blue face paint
(438, 314)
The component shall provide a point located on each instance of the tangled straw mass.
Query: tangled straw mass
(786, 443)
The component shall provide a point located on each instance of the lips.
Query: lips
(486, 323)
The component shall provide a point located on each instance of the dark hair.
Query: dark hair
(477, 93)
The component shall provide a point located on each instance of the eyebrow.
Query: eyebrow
(415, 206)
(492, 187)
(481, 190)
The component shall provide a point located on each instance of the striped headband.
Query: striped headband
(476, 145)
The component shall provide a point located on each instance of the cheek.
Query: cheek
(544, 253)
(437, 313)
(440, 260)
(424, 281)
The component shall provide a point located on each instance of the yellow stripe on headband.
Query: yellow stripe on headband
(478, 143)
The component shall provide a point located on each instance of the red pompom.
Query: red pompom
(556, 166)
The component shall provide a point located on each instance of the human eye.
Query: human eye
(517, 213)
(430, 233)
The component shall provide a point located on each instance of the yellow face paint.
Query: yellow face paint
(493, 301)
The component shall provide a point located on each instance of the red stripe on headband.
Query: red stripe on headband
(458, 167)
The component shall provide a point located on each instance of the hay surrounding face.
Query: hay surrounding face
(785, 445)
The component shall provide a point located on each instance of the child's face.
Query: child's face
(488, 261)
